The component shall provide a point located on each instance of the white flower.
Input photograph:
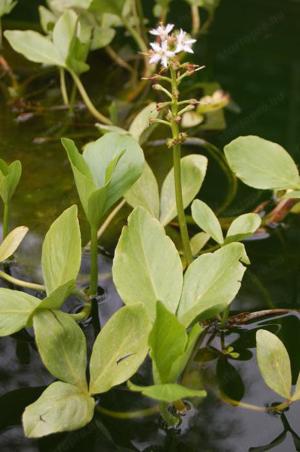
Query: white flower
(184, 43)
(162, 31)
(161, 53)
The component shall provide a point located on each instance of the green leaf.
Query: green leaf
(211, 282)
(64, 33)
(12, 242)
(198, 241)
(143, 120)
(145, 193)
(102, 37)
(193, 170)
(9, 179)
(161, 8)
(294, 194)
(167, 393)
(56, 299)
(274, 363)
(262, 164)
(61, 254)
(119, 349)
(107, 6)
(16, 309)
(62, 346)
(61, 407)
(35, 47)
(167, 340)
(147, 266)
(6, 6)
(205, 218)
(244, 226)
(47, 19)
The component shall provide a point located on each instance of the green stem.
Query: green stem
(63, 86)
(19, 282)
(94, 263)
(166, 415)
(1, 35)
(5, 220)
(196, 20)
(127, 415)
(89, 104)
(138, 39)
(140, 14)
(177, 173)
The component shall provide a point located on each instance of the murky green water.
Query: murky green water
(253, 51)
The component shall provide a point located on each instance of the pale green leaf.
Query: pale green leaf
(147, 266)
(47, 19)
(193, 171)
(119, 349)
(205, 218)
(35, 47)
(244, 226)
(64, 33)
(12, 242)
(262, 164)
(274, 363)
(56, 299)
(143, 120)
(61, 408)
(16, 309)
(168, 392)
(167, 340)
(6, 6)
(9, 179)
(62, 346)
(107, 6)
(61, 254)
(211, 282)
(293, 194)
(198, 241)
(145, 193)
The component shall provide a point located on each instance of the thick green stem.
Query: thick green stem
(89, 104)
(94, 263)
(5, 220)
(19, 282)
(63, 86)
(177, 173)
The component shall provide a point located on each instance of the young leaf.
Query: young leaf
(9, 179)
(119, 349)
(147, 266)
(35, 47)
(167, 341)
(145, 193)
(198, 241)
(262, 164)
(12, 242)
(168, 392)
(211, 282)
(274, 363)
(61, 407)
(143, 120)
(64, 33)
(15, 310)
(205, 218)
(62, 346)
(61, 254)
(56, 299)
(193, 170)
(244, 226)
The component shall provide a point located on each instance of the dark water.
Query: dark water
(252, 50)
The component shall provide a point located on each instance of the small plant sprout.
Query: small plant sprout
(167, 50)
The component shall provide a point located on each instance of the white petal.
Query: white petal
(169, 28)
(154, 59)
(155, 46)
(154, 32)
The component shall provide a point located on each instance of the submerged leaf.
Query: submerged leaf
(119, 349)
(211, 282)
(16, 309)
(62, 346)
(61, 254)
(61, 407)
(147, 266)
(167, 392)
(193, 171)
(262, 164)
(11, 242)
(274, 363)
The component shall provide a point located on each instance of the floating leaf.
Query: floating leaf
(274, 363)
(211, 282)
(243, 226)
(61, 407)
(35, 47)
(168, 392)
(12, 242)
(145, 193)
(62, 346)
(205, 218)
(147, 266)
(262, 164)
(61, 254)
(193, 170)
(119, 349)
(16, 309)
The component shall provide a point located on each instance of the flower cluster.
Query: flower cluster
(169, 44)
